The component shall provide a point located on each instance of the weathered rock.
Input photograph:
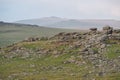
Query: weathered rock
(115, 37)
(93, 29)
(103, 46)
(61, 34)
(102, 38)
(84, 49)
(25, 55)
(101, 74)
(91, 51)
(107, 30)
(116, 31)
(55, 52)
(107, 27)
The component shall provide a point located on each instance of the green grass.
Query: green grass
(45, 67)
(113, 51)
(49, 67)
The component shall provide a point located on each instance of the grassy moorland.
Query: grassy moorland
(11, 33)
(61, 59)
(50, 66)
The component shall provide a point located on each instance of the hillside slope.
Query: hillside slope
(11, 32)
(91, 55)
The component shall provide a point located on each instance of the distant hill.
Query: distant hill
(14, 32)
(42, 21)
(57, 22)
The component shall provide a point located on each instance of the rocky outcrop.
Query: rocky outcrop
(67, 36)
(107, 30)
(91, 42)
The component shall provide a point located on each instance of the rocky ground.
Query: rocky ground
(93, 55)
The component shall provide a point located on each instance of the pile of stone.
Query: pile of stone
(31, 39)
(67, 36)
(96, 41)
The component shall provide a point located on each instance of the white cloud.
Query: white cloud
(115, 11)
(99, 7)
(65, 8)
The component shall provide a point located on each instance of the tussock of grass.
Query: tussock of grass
(113, 51)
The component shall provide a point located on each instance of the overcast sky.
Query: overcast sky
(13, 10)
